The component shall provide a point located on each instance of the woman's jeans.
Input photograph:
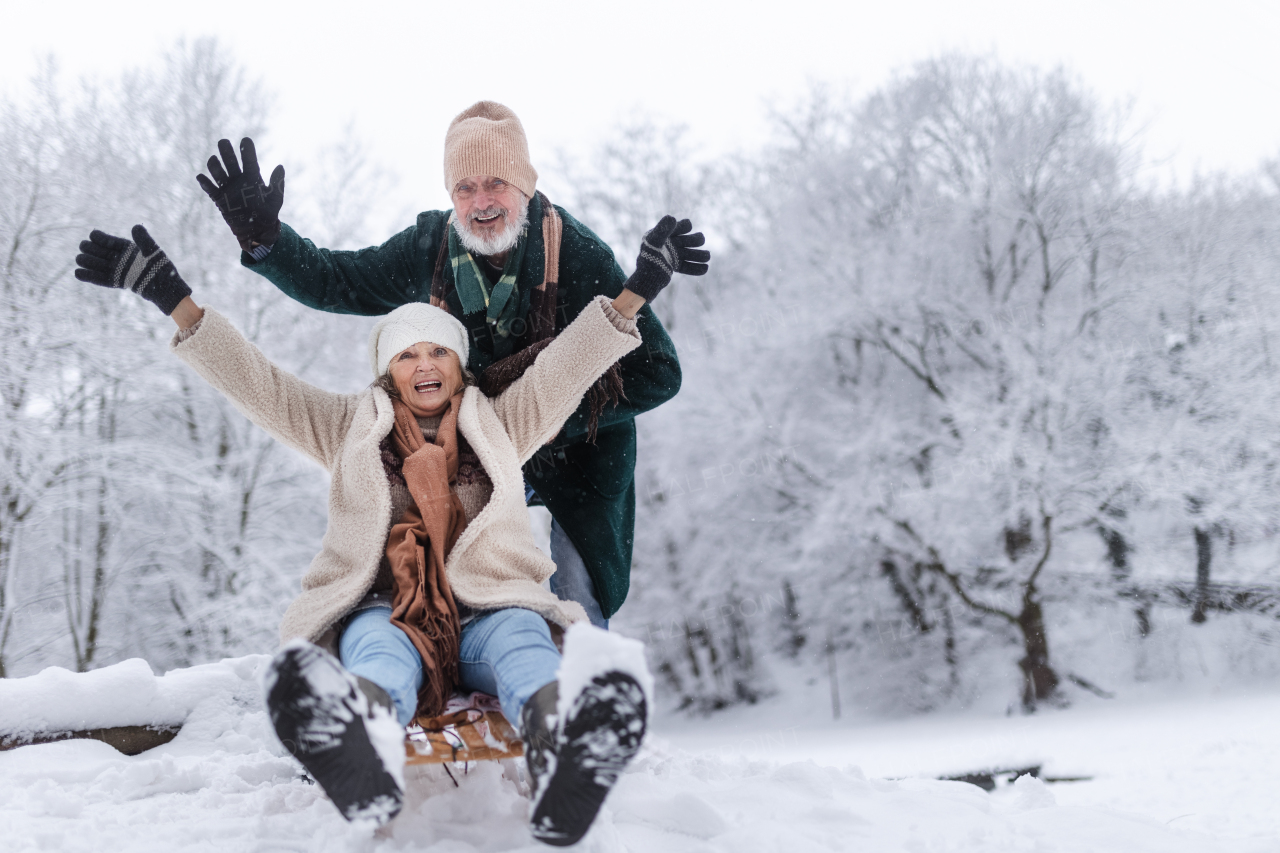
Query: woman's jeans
(507, 653)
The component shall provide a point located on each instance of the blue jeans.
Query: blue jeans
(571, 581)
(508, 653)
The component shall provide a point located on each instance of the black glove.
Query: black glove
(139, 266)
(251, 208)
(667, 249)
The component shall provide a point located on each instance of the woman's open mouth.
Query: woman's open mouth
(427, 386)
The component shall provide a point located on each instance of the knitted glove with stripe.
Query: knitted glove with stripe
(136, 265)
(667, 249)
(250, 207)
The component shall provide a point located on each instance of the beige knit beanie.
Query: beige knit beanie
(487, 139)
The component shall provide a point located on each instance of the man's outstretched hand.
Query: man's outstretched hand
(251, 208)
(667, 249)
(136, 265)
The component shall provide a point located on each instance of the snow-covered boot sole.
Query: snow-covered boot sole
(601, 734)
(320, 715)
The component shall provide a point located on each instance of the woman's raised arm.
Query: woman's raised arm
(534, 407)
(300, 415)
(297, 413)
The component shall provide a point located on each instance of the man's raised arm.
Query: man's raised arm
(368, 281)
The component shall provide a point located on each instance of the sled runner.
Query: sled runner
(472, 728)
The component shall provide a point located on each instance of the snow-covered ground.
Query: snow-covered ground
(1167, 775)
(1207, 766)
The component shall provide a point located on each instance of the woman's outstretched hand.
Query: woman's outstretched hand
(136, 265)
(667, 249)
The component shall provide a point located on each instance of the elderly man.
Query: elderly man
(515, 269)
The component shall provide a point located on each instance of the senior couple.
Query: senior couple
(507, 366)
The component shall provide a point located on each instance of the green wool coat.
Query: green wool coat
(589, 489)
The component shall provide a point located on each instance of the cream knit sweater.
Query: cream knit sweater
(495, 562)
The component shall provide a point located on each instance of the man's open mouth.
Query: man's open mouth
(487, 216)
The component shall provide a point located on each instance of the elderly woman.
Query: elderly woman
(428, 577)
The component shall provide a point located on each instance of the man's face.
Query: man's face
(490, 214)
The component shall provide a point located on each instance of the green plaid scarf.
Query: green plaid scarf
(501, 304)
(497, 372)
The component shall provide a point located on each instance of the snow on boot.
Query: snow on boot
(538, 731)
(352, 746)
(601, 712)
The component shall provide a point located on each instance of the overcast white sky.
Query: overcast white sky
(1205, 76)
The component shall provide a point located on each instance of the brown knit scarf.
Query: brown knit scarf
(418, 545)
(606, 391)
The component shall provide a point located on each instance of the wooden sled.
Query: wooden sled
(467, 735)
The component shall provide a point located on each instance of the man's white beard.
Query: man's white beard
(502, 241)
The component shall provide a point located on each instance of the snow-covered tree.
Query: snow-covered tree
(142, 514)
(943, 374)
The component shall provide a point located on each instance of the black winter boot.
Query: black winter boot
(538, 731)
(321, 714)
(574, 763)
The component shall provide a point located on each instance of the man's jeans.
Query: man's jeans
(571, 580)
(507, 653)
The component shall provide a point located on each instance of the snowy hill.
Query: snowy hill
(224, 783)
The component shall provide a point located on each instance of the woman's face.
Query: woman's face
(427, 376)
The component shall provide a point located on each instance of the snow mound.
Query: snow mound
(225, 784)
(126, 694)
